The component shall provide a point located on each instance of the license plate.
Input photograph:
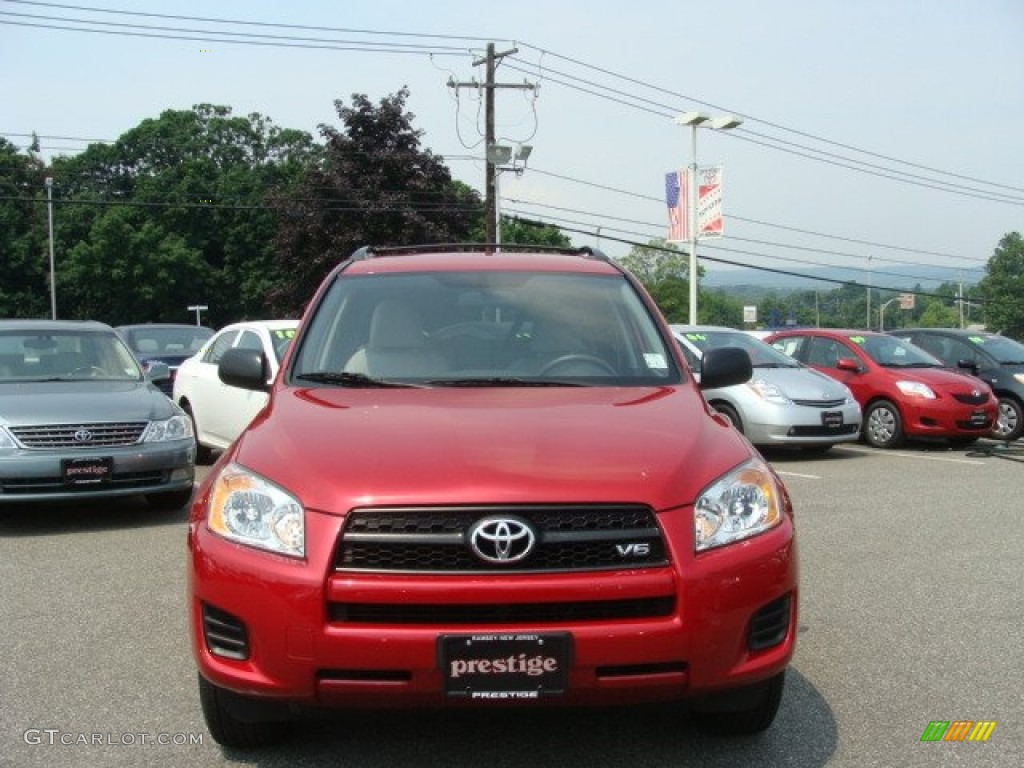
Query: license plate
(90, 471)
(978, 419)
(504, 667)
(832, 419)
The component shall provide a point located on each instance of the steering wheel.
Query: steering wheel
(596, 363)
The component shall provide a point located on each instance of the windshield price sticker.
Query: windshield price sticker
(504, 667)
(87, 471)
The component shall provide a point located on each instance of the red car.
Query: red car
(483, 479)
(903, 391)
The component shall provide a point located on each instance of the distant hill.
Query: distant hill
(755, 282)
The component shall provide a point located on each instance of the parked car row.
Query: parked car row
(904, 391)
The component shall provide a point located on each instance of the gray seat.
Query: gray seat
(396, 346)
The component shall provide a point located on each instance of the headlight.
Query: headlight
(175, 428)
(742, 504)
(769, 392)
(249, 509)
(915, 389)
(1019, 377)
(6, 441)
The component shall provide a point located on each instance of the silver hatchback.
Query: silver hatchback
(785, 403)
(79, 419)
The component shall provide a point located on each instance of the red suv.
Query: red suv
(482, 479)
(902, 390)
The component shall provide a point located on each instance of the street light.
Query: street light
(694, 120)
(499, 155)
(197, 308)
(53, 280)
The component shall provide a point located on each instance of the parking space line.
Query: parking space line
(922, 457)
(798, 474)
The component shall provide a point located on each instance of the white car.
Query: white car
(220, 412)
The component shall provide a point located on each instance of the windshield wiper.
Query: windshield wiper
(501, 381)
(355, 380)
(774, 365)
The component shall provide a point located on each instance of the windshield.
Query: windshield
(891, 352)
(483, 328)
(65, 355)
(761, 355)
(172, 340)
(1004, 350)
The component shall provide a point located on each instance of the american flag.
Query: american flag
(675, 198)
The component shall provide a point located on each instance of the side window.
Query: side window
(935, 345)
(824, 352)
(792, 346)
(960, 350)
(219, 347)
(249, 340)
(691, 359)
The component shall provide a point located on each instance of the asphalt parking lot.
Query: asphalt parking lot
(911, 612)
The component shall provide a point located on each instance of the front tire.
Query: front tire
(1009, 421)
(226, 728)
(883, 427)
(203, 453)
(730, 413)
(716, 716)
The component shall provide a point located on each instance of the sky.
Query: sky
(878, 137)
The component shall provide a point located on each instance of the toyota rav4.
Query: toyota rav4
(487, 478)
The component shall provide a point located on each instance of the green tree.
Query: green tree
(24, 262)
(197, 182)
(1002, 288)
(664, 271)
(373, 185)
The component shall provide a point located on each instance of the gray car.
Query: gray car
(785, 403)
(79, 419)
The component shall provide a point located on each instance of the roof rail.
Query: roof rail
(375, 251)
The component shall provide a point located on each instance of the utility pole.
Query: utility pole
(491, 61)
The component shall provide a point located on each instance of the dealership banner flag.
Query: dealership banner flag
(709, 202)
(676, 198)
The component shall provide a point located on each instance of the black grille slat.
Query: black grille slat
(124, 480)
(821, 403)
(823, 431)
(225, 634)
(769, 625)
(532, 613)
(63, 435)
(971, 399)
(434, 540)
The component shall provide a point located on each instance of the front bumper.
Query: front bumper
(946, 418)
(802, 425)
(36, 476)
(296, 649)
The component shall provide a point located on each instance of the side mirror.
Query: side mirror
(156, 370)
(725, 367)
(968, 365)
(848, 364)
(244, 368)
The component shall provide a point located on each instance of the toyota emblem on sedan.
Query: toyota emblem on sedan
(502, 539)
(83, 435)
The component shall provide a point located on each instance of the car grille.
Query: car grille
(79, 435)
(821, 403)
(823, 431)
(970, 398)
(435, 540)
(28, 486)
(504, 613)
(225, 634)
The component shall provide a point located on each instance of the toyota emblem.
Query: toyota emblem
(83, 435)
(501, 539)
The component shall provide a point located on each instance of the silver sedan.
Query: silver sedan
(785, 403)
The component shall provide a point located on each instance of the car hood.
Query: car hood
(340, 448)
(73, 402)
(802, 383)
(939, 379)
